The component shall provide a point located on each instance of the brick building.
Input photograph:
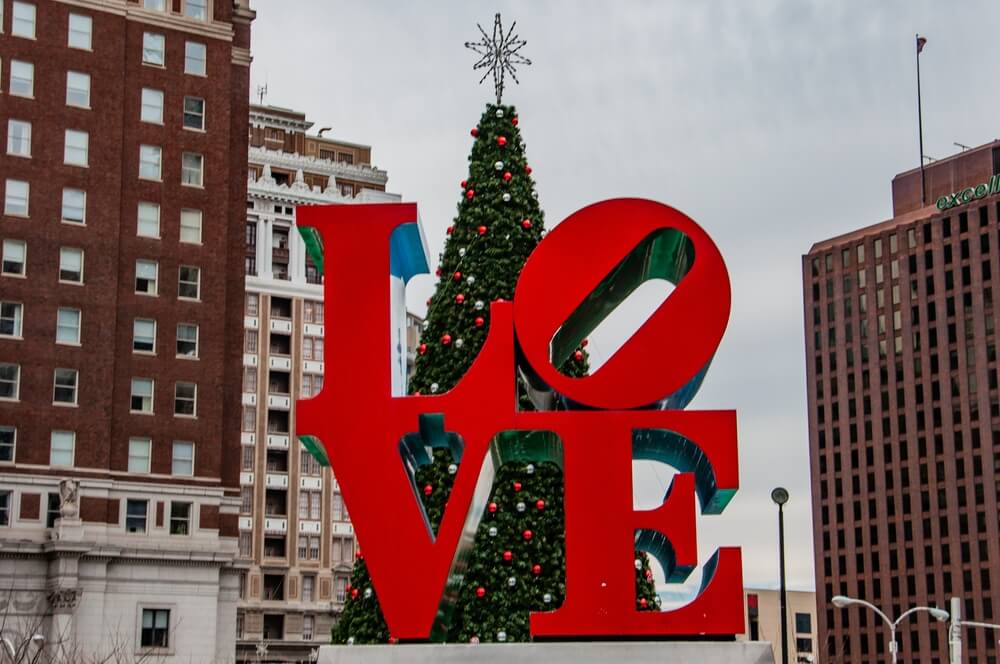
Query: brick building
(904, 414)
(294, 529)
(121, 315)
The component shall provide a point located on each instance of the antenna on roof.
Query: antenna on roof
(964, 147)
(262, 92)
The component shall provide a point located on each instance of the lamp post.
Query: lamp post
(780, 497)
(841, 602)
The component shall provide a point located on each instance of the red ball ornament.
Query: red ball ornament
(507, 556)
(492, 507)
(649, 575)
(428, 489)
(428, 302)
(462, 184)
(536, 569)
(446, 339)
(422, 348)
(517, 486)
(437, 272)
(348, 587)
(470, 194)
(480, 321)
(449, 230)
(459, 299)
(457, 276)
(643, 603)
(359, 555)
(507, 176)
(527, 534)
(526, 224)
(501, 141)
(540, 504)
(527, 170)
(480, 592)
(583, 344)
(578, 356)
(474, 132)
(481, 230)
(513, 120)
(354, 593)
(500, 299)
(393, 640)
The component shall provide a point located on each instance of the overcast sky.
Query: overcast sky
(774, 124)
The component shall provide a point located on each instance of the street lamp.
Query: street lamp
(841, 602)
(780, 497)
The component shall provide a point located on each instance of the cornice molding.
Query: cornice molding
(353, 172)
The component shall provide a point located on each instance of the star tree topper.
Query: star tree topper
(499, 54)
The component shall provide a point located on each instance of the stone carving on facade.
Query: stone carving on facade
(62, 599)
(69, 499)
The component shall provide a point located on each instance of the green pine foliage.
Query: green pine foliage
(488, 244)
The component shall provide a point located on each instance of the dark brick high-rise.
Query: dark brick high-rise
(124, 176)
(904, 415)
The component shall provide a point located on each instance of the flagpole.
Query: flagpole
(920, 124)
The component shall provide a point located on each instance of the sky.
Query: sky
(774, 124)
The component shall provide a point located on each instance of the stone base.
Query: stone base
(598, 652)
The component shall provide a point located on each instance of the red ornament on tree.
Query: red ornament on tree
(428, 489)
(583, 344)
(507, 176)
(643, 603)
(422, 348)
(459, 299)
(359, 555)
(527, 169)
(475, 131)
(393, 640)
(649, 575)
(354, 593)
(578, 356)
(449, 230)
(457, 276)
(513, 120)
(446, 339)
(526, 224)
(536, 569)
(470, 194)
(501, 141)
(527, 535)
(508, 556)
(540, 504)
(517, 486)
(480, 321)
(480, 592)
(482, 230)
(437, 272)
(492, 508)
(462, 184)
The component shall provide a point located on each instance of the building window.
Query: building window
(71, 265)
(196, 9)
(246, 497)
(803, 645)
(308, 626)
(185, 399)
(136, 512)
(195, 56)
(187, 340)
(68, 326)
(5, 504)
(61, 448)
(139, 453)
(74, 206)
(145, 277)
(155, 628)
(803, 623)
(191, 226)
(183, 459)
(152, 106)
(52, 510)
(194, 113)
(15, 200)
(142, 395)
(10, 380)
(77, 89)
(308, 589)
(192, 167)
(246, 544)
(14, 254)
(19, 138)
(180, 518)
(148, 220)
(22, 78)
(64, 386)
(249, 424)
(189, 282)
(8, 443)
(80, 30)
(22, 22)
(10, 319)
(150, 162)
(310, 503)
(144, 335)
(253, 301)
(77, 148)
(248, 451)
(153, 46)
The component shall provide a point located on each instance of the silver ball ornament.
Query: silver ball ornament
(502, 636)
(426, 324)
(350, 640)
(368, 593)
(530, 469)
(498, 165)
(520, 507)
(459, 343)
(479, 305)
(493, 531)
(499, 113)
(434, 387)
(547, 598)
(638, 564)
(511, 581)
(452, 469)
(506, 197)
(470, 280)
(461, 252)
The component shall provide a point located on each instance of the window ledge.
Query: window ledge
(13, 275)
(82, 224)
(18, 215)
(12, 337)
(63, 404)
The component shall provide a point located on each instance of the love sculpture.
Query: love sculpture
(630, 408)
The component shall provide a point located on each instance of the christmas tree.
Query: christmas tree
(517, 564)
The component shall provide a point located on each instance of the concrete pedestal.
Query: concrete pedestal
(621, 652)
